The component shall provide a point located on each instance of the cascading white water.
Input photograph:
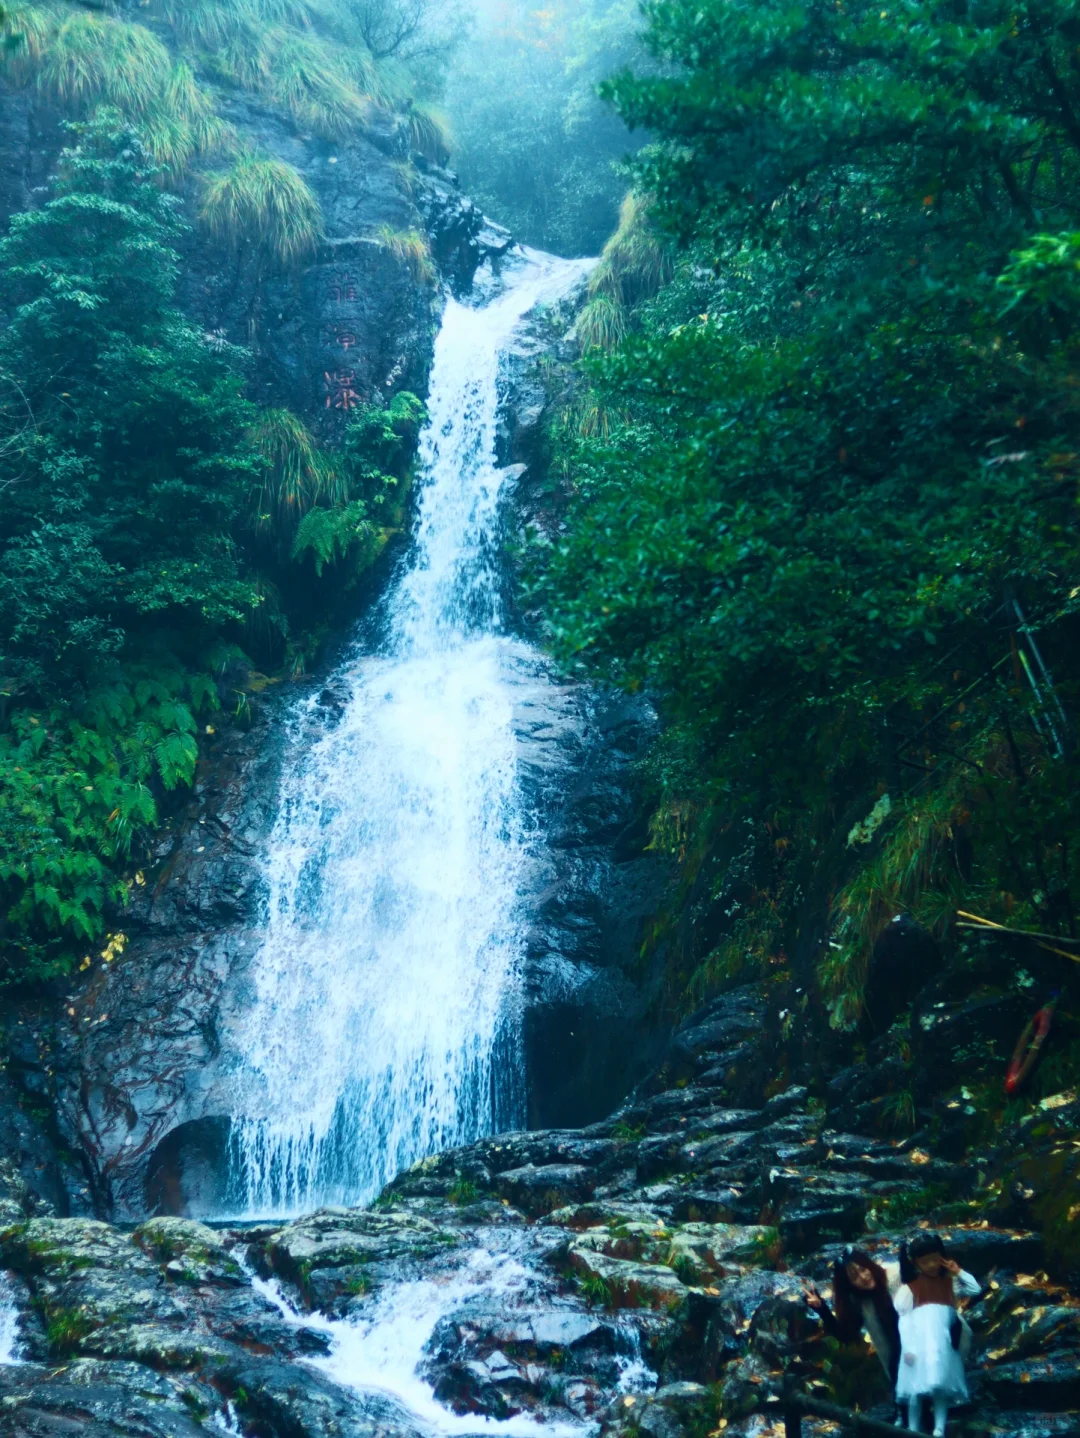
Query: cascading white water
(382, 1347)
(9, 1321)
(382, 1022)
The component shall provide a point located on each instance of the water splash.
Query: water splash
(382, 1021)
(381, 1349)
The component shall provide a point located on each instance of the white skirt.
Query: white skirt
(928, 1361)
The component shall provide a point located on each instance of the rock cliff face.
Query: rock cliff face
(595, 1019)
(130, 1064)
(355, 320)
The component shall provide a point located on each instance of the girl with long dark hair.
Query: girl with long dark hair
(862, 1299)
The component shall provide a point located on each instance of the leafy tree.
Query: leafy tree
(831, 514)
(122, 496)
(121, 486)
(150, 517)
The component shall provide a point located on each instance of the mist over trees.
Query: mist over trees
(533, 141)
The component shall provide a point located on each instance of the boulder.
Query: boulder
(540, 1190)
(348, 1238)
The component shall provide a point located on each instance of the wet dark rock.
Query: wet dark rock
(100, 1400)
(1050, 1382)
(461, 236)
(1037, 1169)
(291, 1399)
(945, 1032)
(730, 1204)
(791, 1100)
(537, 1191)
(589, 1033)
(342, 1238)
(677, 1410)
(614, 1270)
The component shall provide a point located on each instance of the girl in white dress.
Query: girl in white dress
(933, 1336)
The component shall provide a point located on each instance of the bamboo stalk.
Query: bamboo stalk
(984, 925)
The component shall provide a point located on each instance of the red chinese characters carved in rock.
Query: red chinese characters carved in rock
(341, 337)
(342, 290)
(340, 391)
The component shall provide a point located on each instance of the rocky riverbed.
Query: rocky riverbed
(642, 1275)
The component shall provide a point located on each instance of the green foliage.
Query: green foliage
(427, 131)
(66, 1329)
(830, 522)
(899, 1210)
(463, 1192)
(330, 536)
(637, 260)
(683, 1267)
(91, 59)
(79, 60)
(379, 442)
(624, 1132)
(148, 513)
(263, 203)
(602, 324)
(410, 249)
(898, 1112)
(80, 786)
(596, 1290)
(165, 71)
(299, 75)
(295, 473)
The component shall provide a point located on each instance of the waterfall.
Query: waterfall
(382, 1021)
(9, 1321)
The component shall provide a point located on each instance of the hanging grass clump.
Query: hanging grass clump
(302, 79)
(296, 474)
(266, 202)
(411, 251)
(602, 324)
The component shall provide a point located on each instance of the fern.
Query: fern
(332, 535)
(75, 795)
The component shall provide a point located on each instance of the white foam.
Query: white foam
(380, 1349)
